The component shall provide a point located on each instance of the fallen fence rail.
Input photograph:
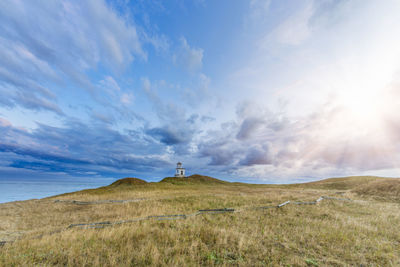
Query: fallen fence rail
(202, 211)
(336, 198)
(216, 210)
(89, 224)
(78, 202)
(305, 203)
(168, 217)
(283, 204)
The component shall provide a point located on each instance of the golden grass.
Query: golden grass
(381, 189)
(332, 233)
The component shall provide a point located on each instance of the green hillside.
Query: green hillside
(193, 179)
(128, 182)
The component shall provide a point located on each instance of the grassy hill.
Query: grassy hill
(343, 183)
(128, 182)
(385, 189)
(367, 186)
(193, 180)
(330, 233)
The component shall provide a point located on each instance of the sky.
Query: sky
(261, 90)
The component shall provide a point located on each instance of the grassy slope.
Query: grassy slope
(384, 189)
(129, 181)
(332, 233)
(193, 179)
(343, 183)
(367, 186)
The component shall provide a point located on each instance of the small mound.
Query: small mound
(193, 179)
(129, 181)
(383, 189)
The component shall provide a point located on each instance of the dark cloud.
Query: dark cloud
(219, 153)
(168, 135)
(248, 127)
(256, 156)
(193, 118)
(220, 157)
(178, 129)
(78, 148)
(20, 150)
(220, 146)
(206, 119)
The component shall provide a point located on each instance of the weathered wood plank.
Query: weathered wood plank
(202, 211)
(305, 203)
(283, 204)
(336, 198)
(220, 210)
(168, 217)
(78, 202)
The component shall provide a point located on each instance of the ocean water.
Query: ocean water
(13, 189)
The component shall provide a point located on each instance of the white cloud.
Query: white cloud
(295, 30)
(127, 98)
(189, 58)
(56, 43)
(262, 144)
(110, 84)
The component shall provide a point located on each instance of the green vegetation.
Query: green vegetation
(193, 179)
(129, 181)
(331, 233)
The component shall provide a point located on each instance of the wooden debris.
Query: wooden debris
(283, 204)
(306, 203)
(335, 198)
(216, 210)
(78, 202)
(184, 216)
(168, 217)
(89, 224)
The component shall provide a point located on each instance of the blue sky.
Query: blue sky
(261, 90)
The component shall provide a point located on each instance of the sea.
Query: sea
(15, 189)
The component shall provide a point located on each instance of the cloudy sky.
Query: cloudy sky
(261, 90)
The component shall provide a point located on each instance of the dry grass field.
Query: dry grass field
(362, 232)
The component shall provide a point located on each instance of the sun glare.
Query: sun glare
(363, 108)
(364, 94)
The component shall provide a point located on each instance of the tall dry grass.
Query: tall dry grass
(332, 233)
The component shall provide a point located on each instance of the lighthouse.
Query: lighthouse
(180, 172)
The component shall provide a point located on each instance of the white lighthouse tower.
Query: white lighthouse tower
(180, 172)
